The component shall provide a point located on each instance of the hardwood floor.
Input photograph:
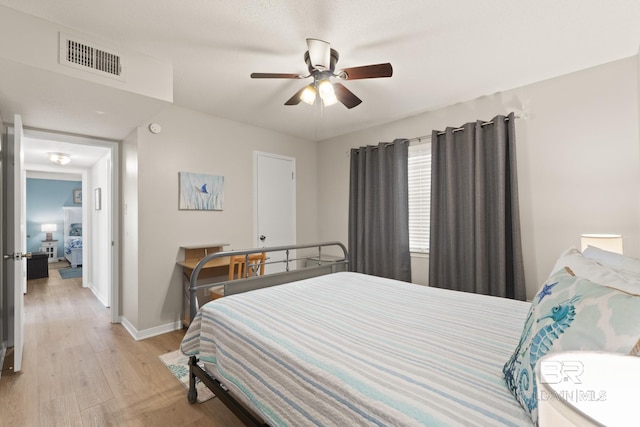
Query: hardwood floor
(81, 370)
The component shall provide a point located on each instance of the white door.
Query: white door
(15, 239)
(275, 205)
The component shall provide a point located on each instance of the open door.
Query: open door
(15, 240)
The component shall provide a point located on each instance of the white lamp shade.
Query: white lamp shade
(587, 389)
(48, 228)
(327, 93)
(308, 95)
(608, 242)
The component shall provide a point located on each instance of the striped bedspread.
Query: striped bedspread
(348, 349)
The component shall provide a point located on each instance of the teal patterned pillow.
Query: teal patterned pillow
(570, 313)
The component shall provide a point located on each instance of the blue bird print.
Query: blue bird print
(203, 189)
(546, 290)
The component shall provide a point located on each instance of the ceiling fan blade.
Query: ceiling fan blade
(319, 54)
(295, 99)
(344, 95)
(275, 76)
(367, 72)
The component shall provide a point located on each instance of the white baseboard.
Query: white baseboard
(102, 298)
(151, 332)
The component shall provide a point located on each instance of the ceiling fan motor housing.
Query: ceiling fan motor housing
(333, 60)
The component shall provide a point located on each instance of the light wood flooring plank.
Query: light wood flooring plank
(81, 370)
(60, 411)
(90, 383)
(106, 414)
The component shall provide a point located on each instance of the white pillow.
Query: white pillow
(612, 259)
(595, 272)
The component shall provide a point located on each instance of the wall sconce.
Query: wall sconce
(60, 158)
(608, 242)
(49, 229)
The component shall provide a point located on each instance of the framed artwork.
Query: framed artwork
(98, 198)
(77, 197)
(200, 192)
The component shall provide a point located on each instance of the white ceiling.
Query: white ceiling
(83, 156)
(442, 52)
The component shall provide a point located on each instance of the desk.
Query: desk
(215, 270)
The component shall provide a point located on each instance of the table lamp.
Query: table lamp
(49, 229)
(587, 388)
(608, 242)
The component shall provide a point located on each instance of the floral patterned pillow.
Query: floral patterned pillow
(75, 229)
(570, 313)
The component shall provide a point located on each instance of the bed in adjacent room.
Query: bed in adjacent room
(73, 235)
(73, 251)
(351, 349)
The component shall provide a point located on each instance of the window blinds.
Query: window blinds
(419, 196)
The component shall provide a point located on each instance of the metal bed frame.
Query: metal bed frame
(319, 267)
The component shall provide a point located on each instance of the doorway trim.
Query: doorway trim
(114, 223)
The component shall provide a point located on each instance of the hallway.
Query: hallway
(81, 370)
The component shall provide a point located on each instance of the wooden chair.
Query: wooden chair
(256, 264)
(238, 269)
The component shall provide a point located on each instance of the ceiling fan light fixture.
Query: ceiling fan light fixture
(308, 95)
(327, 93)
(329, 100)
(60, 158)
(321, 61)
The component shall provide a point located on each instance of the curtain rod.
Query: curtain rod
(490, 122)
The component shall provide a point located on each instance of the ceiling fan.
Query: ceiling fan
(321, 61)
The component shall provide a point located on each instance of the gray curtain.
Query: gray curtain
(379, 210)
(475, 226)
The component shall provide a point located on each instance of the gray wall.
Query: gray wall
(578, 162)
(154, 228)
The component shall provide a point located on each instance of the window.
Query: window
(419, 196)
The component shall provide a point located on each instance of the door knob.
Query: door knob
(263, 237)
(17, 256)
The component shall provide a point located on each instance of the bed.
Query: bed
(350, 349)
(329, 350)
(73, 235)
(73, 250)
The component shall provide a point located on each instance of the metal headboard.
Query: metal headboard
(231, 287)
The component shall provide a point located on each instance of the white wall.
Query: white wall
(578, 161)
(129, 230)
(194, 142)
(38, 46)
(100, 272)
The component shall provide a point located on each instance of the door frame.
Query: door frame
(114, 232)
(15, 238)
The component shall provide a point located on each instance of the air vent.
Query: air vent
(89, 57)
